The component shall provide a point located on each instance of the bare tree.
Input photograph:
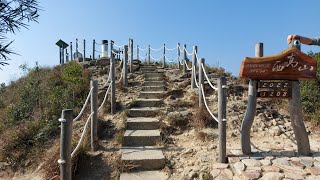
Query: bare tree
(14, 14)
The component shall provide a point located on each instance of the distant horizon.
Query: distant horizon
(224, 33)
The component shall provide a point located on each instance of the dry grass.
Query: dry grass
(202, 119)
(122, 166)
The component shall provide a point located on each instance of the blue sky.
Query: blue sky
(224, 31)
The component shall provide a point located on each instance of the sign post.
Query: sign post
(280, 74)
(62, 45)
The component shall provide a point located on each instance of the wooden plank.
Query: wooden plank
(274, 94)
(291, 64)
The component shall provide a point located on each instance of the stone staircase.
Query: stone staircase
(142, 133)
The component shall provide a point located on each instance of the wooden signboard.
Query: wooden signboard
(291, 64)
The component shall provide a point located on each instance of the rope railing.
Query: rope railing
(185, 62)
(208, 80)
(141, 49)
(195, 76)
(104, 99)
(170, 49)
(171, 61)
(143, 57)
(156, 49)
(156, 59)
(82, 135)
(206, 105)
(189, 54)
(119, 46)
(119, 64)
(84, 106)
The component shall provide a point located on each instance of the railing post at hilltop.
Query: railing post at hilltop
(113, 87)
(93, 49)
(251, 108)
(77, 50)
(84, 50)
(222, 115)
(164, 56)
(193, 67)
(131, 55)
(71, 57)
(296, 115)
(201, 82)
(94, 117)
(125, 67)
(178, 48)
(184, 58)
(65, 144)
(148, 54)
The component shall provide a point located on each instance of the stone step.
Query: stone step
(141, 137)
(144, 111)
(153, 79)
(153, 74)
(152, 88)
(146, 158)
(148, 102)
(153, 83)
(149, 69)
(142, 123)
(144, 175)
(151, 94)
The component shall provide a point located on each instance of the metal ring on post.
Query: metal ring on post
(62, 120)
(60, 161)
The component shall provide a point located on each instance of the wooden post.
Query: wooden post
(251, 109)
(125, 67)
(71, 57)
(148, 54)
(66, 144)
(93, 49)
(178, 56)
(164, 56)
(67, 55)
(60, 55)
(184, 58)
(201, 82)
(113, 82)
(222, 115)
(296, 115)
(131, 55)
(77, 50)
(138, 52)
(84, 50)
(94, 117)
(193, 67)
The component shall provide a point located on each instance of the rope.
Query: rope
(168, 59)
(142, 49)
(156, 49)
(205, 103)
(195, 77)
(105, 98)
(141, 57)
(98, 51)
(205, 74)
(82, 135)
(170, 49)
(119, 46)
(120, 77)
(187, 65)
(189, 54)
(155, 58)
(98, 44)
(85, 104)
(119, 64)
(197, 56)
(180, 49)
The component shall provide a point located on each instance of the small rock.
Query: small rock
(265, 162)
(253, 169)
(272, 176)
(270, 169)
(280, 161)
(313, 170)
(251, 162)
(193, 175)
(316, 164)
(313, 178)
(226, 174)
(251, 175)
(307, 161)
(212, 146)
(239, 167)
(297, 163)
(187, 151)
(215, 173)
(220, 166)
(293, 176)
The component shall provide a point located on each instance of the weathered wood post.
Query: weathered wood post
(71, 57)
(77, 50)
(184, 58)
(251, 108)
(148, 54)
(138, 52)
(104, 48)
(222, 116)
(131, 55)
(296, 115)
(164, 56)
(67, 55)
(178, 48)
(94, 117)
(84, 50)
(66, 144)
(113, 82)
(193, 79)
(93, 49)
(201, 82)
(125, 67)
